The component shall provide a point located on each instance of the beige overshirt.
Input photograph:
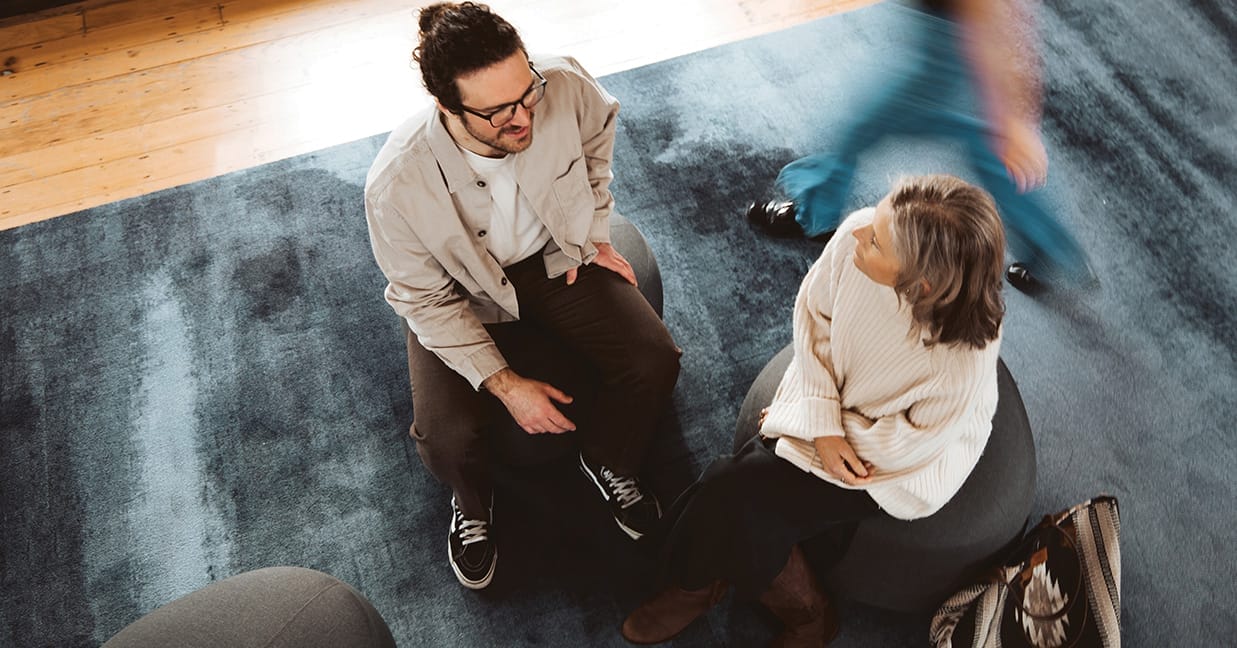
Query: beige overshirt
(428, 214)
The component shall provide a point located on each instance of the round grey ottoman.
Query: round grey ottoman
(276, 607)
(914, 566)
(518, 448)
(631, 244)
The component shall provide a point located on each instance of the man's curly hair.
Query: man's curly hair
(457, 39)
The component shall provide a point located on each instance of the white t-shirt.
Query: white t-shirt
(515, 232)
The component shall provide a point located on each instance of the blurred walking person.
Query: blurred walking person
(976, 53)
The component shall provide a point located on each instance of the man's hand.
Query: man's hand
(841, 462)
(1023, 154)
(529, 402)
(608, 258)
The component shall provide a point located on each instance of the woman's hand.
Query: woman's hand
(841, 462)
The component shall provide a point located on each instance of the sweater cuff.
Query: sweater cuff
(806, 418)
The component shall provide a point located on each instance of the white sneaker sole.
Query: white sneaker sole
(472, 585)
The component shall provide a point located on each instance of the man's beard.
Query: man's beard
(502, 142)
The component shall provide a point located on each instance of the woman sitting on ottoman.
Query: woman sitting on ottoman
(887, 404)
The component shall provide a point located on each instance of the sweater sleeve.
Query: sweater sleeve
(954, 405)
(938, 441)
(806, 405)
(924, 450)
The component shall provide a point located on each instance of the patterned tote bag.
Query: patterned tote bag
(1060, 589)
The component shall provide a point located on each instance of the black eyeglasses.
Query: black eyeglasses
(506, 112)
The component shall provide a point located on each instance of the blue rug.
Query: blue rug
(206, 380)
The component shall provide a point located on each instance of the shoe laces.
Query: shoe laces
(470, 531)
(626, 489)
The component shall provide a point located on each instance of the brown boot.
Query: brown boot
(796, 598)
(664, 616)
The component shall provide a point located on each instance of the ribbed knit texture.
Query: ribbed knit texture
(921, 415)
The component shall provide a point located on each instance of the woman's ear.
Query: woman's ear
(924, 288)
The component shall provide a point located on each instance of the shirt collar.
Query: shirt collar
(455, 169)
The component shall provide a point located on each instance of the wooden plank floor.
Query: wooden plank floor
(109, 99)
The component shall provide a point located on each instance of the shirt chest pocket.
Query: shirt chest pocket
(573, 200)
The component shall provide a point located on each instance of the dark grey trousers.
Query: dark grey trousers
(276, 607)
(597, 339)
(742, 517)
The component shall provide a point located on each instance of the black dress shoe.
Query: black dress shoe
(776, 218)
(1019, 276)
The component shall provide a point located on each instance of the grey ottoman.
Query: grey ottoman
(518, 448)
(276, 607)
(914, 566)
(631, 244)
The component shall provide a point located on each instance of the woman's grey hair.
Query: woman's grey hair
(950, 244)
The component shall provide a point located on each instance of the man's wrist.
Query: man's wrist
(499, 381)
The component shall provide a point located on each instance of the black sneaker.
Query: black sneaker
(635, 511)
(471, 549)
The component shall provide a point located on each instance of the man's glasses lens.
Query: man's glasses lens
(530, 99)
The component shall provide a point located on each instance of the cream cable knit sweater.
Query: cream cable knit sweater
(921, 415)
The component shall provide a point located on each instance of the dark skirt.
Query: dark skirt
(740, 519)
